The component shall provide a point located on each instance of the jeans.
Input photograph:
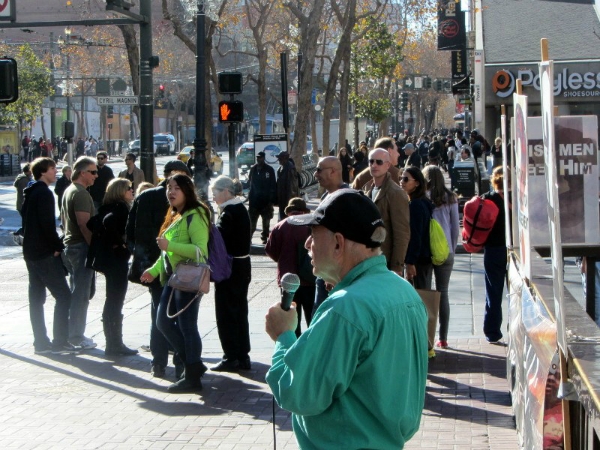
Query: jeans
(423, 278)
(494, 264)
(159, 346)
(442, 280)
(182, 332)
(81, 283)
(266, 214)
(116, 288)
(48, 273)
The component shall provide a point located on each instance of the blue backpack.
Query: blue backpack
(219, 260)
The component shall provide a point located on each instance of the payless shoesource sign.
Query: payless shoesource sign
(574, 81)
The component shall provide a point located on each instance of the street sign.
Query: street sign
(408, 83)
(123, 100)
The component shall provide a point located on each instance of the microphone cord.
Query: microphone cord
(274, 433)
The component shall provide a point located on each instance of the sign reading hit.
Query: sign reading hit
(124, 100)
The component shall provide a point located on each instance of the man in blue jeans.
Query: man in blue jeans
(77, 209)
(41, 250)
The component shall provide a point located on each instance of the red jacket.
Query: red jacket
(282, 247)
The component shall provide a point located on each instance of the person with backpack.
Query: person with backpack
(285, 246)
(494, 263)
(446, 213)
(108, 253)
(231, 295)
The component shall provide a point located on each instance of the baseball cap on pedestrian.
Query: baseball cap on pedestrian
(176, 166)
(408, 146)
(261, 154)
(350, 213)
(282, 154)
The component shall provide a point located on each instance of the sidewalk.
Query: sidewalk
(90, 401)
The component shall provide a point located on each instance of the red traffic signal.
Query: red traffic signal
(231, 111)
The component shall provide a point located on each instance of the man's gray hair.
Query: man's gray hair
(81, 165)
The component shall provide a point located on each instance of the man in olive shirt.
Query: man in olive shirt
(77, 209)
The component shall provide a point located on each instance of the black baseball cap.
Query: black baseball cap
(260, 154)
(348, 212)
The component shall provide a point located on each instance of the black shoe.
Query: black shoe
(227, 365)
(191, 380)
(65, 349)
(158, 371)
(245, 363)
(120, 350)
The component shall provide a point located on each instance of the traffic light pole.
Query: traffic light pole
(147, 163)
(200, 167)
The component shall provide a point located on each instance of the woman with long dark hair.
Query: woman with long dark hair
(184, 231)
(231, 295)
(446, 213)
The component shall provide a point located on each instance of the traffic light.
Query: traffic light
(438, 85)
(404, 100)
(231, 111)
(427, 83)
(230, 83)
(9, 81)
(109, 111)
(161, 91)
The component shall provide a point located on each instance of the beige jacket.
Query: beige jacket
(392, 203)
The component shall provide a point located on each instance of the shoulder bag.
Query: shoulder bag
(189, 276)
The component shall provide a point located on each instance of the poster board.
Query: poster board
(272, 145)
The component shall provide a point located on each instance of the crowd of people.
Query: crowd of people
(34, 147)
(371, 229)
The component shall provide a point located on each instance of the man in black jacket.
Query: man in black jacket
(262, 195)
(105, 174)
(145, 219)
(41, 250)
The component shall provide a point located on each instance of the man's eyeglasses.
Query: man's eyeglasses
(93, 172)
(100, 157)
(406, 179)
(321, 169)
(379, 162)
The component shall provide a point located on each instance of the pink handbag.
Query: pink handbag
(189, 276)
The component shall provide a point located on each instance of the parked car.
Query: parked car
(161, 145)
(245, 155)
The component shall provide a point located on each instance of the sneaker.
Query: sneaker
(431, 354)
(85, 344)
(42, 349)
(442, 344)
(145, 348)
(65, 349)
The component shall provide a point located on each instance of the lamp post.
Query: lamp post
(200, 172)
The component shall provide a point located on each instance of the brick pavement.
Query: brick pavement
(89, 401)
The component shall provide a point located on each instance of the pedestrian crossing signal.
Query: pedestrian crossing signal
(231, 111)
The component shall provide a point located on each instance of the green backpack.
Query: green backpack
(438, 243)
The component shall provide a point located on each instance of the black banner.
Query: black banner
(451, 26)
(459, 64)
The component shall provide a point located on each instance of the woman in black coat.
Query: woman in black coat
(231, 295)
(346, 161)
(109, 254)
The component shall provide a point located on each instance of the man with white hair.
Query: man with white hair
(392, 203)
(337, 378)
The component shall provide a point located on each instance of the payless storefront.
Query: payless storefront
(576, 90)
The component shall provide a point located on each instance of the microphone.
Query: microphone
(290, 283)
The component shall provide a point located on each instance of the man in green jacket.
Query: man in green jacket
(356, 377)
